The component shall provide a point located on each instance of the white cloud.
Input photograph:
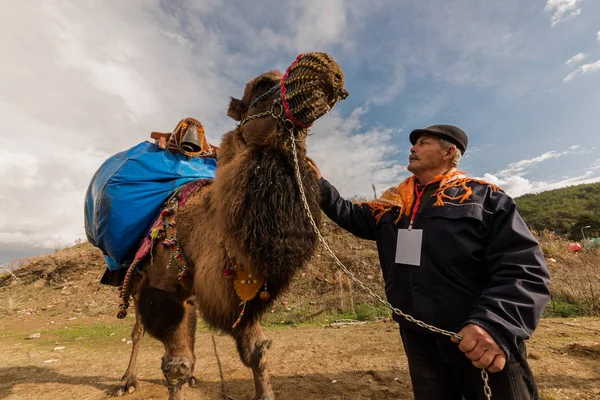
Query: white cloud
(474, 150)
(313, 24)
(110, 72)
(562, 10)
(322, 22)
(86, 81)
(510, 179)
(520, 166)
(83, 82)
(583, 69)
(18, 170)
(517, 186)
(514, 186)
(576, 59)
(598, 36)
(353, 158)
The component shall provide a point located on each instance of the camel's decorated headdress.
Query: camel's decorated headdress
(310, 87)
(305, 86)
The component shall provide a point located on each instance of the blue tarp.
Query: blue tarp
(127, 193)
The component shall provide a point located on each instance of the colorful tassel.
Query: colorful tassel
(239, 319)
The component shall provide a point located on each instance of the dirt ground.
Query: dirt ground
(84, 358)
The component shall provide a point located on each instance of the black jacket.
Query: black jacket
(479, 262)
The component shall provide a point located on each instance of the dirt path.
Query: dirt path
(351, 362)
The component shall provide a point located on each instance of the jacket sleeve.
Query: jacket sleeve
(511, 305)
(354, 218)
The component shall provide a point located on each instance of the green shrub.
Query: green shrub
(563, 308)
(369, 312)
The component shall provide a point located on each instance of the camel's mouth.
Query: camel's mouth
(311, 86)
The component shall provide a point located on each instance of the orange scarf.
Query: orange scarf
(403, 195)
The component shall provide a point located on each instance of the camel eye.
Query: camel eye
(263, 84)
(262, 90)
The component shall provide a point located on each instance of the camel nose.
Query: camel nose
(342, 93)
(334, 92)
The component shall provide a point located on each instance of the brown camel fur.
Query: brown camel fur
(253, 209)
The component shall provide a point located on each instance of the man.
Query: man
(454, 253)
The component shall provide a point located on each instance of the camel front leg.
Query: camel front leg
(129, 379)
(179, 358)
(252, 344)
(170, 316)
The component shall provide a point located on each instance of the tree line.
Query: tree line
(565, 211)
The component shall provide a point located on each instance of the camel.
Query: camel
(245, 232)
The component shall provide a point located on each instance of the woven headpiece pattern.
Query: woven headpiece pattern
(311, 86)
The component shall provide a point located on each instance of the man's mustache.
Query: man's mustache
(413, 157)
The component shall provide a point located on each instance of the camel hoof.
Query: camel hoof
(128, 386)
(193, 382)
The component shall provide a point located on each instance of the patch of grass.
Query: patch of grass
(550, 250)
(369, 312)
(94, 332)
(563, 308)
(298, 318)
(18, 335)
(29, 279)
(8, 333)
(98, 332)
(344, 315)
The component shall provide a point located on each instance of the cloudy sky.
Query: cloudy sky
(81, 81)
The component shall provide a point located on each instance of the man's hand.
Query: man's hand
(481, 348)
(315, 169)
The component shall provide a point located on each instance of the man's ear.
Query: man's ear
(450, 153)
(237, 109)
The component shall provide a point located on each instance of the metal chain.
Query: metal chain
(255, 116)
(484, 375)
(265, 95)
(486, 386)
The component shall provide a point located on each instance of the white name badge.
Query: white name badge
(408, 247)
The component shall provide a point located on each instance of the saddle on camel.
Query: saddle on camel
(127, 192)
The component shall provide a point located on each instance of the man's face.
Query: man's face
(427, 155)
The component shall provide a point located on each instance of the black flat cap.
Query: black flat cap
(451, 133)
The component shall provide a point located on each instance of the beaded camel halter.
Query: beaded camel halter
(309, 89)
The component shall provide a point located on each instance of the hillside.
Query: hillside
(564, 211)
(68, 280)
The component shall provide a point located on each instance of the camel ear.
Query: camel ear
(237, 109)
